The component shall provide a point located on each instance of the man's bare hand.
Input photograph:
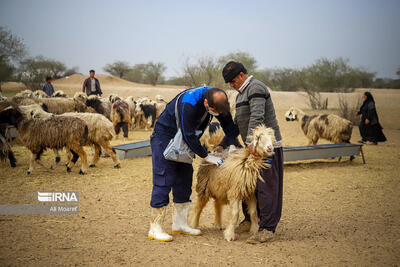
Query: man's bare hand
(366, 121)
(218, 149)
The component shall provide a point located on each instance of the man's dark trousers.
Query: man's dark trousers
(269, 194)
(168, 174)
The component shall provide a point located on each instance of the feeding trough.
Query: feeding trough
(295, 153)
(133, 150)
(292, 153)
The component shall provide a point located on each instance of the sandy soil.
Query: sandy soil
(334, 213)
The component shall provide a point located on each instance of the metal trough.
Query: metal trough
(322, 151)
(133, 150)
(293, 153)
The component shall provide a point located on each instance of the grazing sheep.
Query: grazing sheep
(121, 116)
(25, 94)
(100, 105)
(132, 108)
(81, 96)
(213, 136)
(39, 94)
(60, 105)
(60, 93)
(330, 127)
(234, 181)
(160, 106)
(21, 100)
(146, 115)
(56, 132)
(113, 97)
(101, 132)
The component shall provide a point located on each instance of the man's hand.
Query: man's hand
(218, 149)
(214, 160)
(366, 121)
(252, 151)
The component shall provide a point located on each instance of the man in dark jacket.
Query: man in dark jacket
(92, 85)
(253, 107)
(195, 107)
(48, 87)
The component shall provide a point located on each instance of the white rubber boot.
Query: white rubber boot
(180, 220)
(156, 232)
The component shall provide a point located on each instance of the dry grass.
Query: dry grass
(334, 213)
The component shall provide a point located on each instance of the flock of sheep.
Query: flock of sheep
(72, 123)
(61, 122)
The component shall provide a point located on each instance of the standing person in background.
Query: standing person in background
(370, 128)
(92, 85)
(48, 87)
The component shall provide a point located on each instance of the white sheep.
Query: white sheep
(330, 127)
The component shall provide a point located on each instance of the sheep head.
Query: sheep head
(292, 114)
(80, 96)
(263, 140)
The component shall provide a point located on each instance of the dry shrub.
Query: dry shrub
(315, 101)
(347, 110)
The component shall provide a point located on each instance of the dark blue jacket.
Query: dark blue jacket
(190, 110)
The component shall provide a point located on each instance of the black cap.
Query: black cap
(232, 69)
(91, 71)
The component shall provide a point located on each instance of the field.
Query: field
(334, 213)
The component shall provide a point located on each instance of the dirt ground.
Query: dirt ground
(334, 213)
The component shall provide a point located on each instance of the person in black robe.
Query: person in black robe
(370, 129)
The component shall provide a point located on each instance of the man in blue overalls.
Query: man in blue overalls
(193, 106)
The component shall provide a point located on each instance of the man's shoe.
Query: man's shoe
(244, 226)
(260, 237)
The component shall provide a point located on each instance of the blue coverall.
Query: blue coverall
(178, 176)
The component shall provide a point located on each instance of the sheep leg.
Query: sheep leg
(198, 208)
(82, 155)
(229, 232)
(41, 163)
(107, 147)
(72, 162)
(11, 158)
(252, 210)
(31, 163)
(148, 122)
(96, 156)
(218, 214)
(69, 157)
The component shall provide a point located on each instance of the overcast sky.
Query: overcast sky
(279, 33)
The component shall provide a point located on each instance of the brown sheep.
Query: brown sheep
(121, 116)
(101, 132)
(60, 105)
(55, 133)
